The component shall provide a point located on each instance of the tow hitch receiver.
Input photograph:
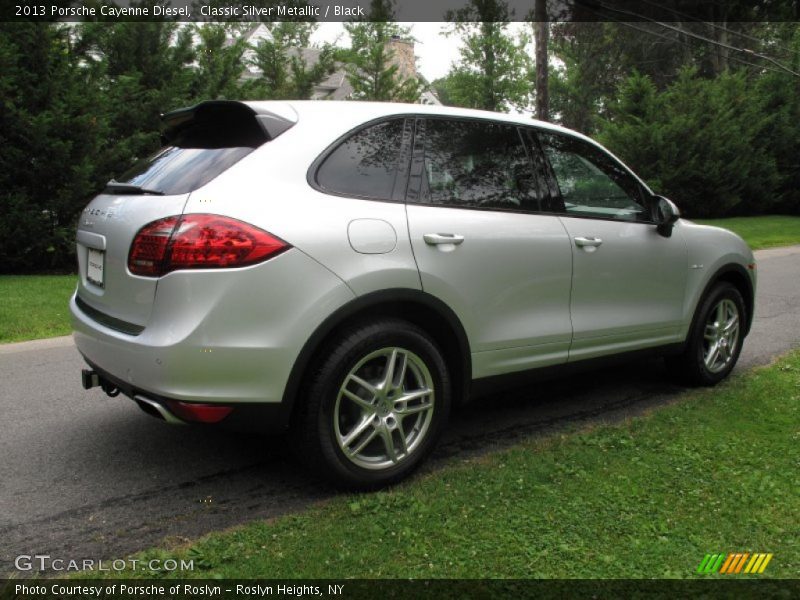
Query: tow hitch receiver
(89, 379)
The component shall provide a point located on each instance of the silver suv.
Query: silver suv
(348, 271)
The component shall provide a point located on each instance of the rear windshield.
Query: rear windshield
(196, 155)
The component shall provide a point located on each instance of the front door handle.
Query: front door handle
(434, 239)
(583, 242)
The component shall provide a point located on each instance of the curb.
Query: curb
(57, 342)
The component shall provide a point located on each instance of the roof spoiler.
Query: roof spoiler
(272, 123)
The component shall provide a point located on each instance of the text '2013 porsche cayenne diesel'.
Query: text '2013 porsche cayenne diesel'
(349, 271)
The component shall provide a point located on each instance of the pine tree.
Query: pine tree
(701, 141)
(144, 69)
(52, 131)
(287, 68)
(371, 70)
(220, 63)
(494, 70)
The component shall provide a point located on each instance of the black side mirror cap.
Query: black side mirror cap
(666, 214)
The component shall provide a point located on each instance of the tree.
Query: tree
(143, 69)
(219, 63)
(288, 67)
(51, 134)
(721, 141)
(780, 94)
(594, 58)
(702, 141)
(593, 61)
(493, 72)
(541, 34)
(449, 88)
(371, 68)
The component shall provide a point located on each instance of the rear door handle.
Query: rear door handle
(434, 239)
(592, 242)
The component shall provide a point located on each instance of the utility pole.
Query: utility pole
(540, 37)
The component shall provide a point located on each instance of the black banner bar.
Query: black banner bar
(728, 11)
(436, 589)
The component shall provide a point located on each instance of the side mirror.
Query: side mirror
(666, 213)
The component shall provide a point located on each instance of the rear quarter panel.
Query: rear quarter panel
(269, 189)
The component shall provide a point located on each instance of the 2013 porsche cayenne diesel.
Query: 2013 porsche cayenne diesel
(350, 270)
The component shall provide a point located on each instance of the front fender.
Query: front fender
(716, 254)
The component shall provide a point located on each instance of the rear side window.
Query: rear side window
(477, 164)
(366, 164)
(197, 154)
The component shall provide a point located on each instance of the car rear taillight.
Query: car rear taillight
(198, 413)
(199, 241)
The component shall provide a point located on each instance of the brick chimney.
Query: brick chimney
(403, 56)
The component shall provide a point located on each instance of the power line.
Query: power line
(698, 36)
(681, 42)
(733, 58)
(719, 27)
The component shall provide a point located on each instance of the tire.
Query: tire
(360, 431)
(719, 319)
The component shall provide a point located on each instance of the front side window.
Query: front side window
(366, 163)
(476, 164)
(591, 183)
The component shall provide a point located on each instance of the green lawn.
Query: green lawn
(716, 472)
(34, 306)
(762, 232)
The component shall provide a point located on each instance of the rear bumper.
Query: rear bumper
(217, 337)
(250, 417)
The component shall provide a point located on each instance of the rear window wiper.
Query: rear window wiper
(116, 187)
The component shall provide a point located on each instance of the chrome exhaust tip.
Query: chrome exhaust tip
(153, 408)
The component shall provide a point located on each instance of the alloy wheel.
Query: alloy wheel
(384, 408)
(721, 336)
